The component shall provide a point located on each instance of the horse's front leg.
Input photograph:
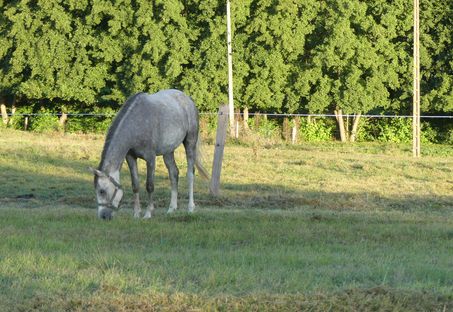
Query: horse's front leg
(132, 163)
(173, 173)
(150, 169)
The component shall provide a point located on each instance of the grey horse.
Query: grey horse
(148, 125)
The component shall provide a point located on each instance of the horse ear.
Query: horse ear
(96, 172)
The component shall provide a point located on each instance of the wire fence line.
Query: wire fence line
(343, 115)
(262, 126)
(236, 114)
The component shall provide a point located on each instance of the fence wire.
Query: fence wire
(237, 114)
(293, 128)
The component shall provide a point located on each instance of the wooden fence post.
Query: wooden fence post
(294, 130)
(294, 135)
(236, 123)
(339, 115)
(355, 127)
(4, 114)
(246, 118)
(222, 126)
(62, 121)
(257, 121)
(288, 131)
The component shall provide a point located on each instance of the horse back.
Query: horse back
(159, 122)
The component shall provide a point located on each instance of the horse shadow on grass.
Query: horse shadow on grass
(74, 188)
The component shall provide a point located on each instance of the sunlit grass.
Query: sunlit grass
(318, 227)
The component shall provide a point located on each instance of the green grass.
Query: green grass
(310, 227)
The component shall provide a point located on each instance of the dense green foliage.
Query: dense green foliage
(290, 56)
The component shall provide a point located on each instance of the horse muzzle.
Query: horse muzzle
(105, 213)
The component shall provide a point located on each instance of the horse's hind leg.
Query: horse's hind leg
(173, 173)
(150, 168)
(191, 148)
(132, 163)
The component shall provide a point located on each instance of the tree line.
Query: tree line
(304, 56)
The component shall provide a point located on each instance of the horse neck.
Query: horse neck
(112, 160)
(117, 142)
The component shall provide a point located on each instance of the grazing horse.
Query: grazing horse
(148, 125)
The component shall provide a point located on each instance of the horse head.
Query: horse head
(108, 194)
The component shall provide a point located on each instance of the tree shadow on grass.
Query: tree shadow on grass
(265, 196)
(74, 188)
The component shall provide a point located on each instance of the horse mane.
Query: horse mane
(116, 123)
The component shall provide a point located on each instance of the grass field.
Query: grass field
(314, 227)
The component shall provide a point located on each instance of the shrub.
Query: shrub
(428, 133)
(264, 127)
(45, 121)
(316, 130)
(17, 121)
(98, 122)
(447, 136)
(396, 130)
(208, 127)
(366, 131)
(438, 131)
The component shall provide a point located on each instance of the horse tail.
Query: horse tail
(198, 161)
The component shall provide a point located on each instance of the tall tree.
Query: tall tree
(352, 60)
(207, 77)
(437, 55)
(353, 56)
(58, 50)
(273, 47)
